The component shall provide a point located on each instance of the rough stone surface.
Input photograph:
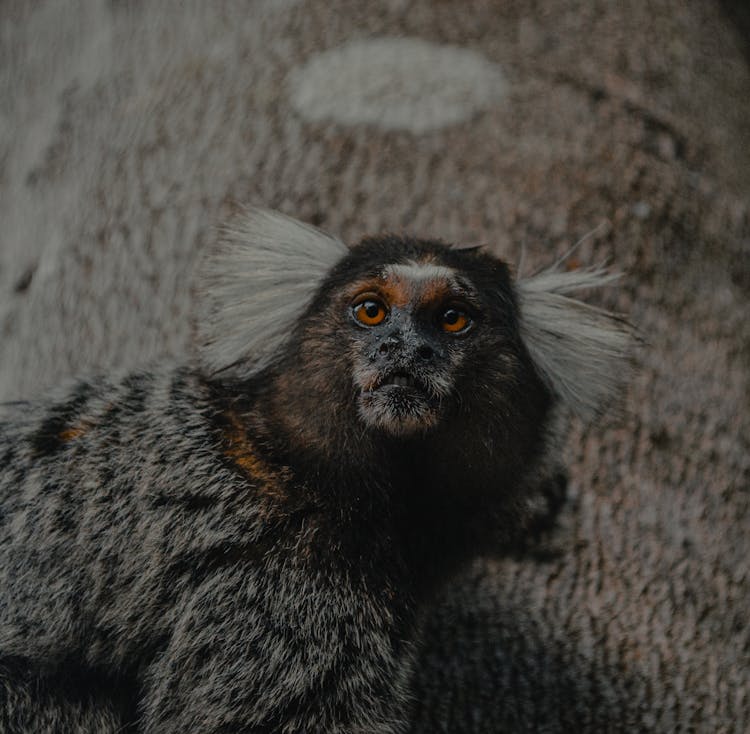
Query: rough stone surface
(127, 131)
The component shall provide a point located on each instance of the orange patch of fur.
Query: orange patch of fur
(241, 451)
(393, 292)
(399, 292)
(74, 432)
(433, 292)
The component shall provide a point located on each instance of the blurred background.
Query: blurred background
(129, 130)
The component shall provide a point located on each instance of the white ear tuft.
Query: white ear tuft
(254, 285)
(581, 351)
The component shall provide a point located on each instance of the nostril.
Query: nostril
(383, 348)
(425, 352)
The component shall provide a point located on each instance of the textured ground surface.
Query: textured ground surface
(128, 131)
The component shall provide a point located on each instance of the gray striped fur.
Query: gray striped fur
(137, 549)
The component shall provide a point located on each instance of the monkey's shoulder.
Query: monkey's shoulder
(157, 434)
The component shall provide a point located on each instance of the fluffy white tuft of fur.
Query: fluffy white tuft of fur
(581, 351)
(253, 287)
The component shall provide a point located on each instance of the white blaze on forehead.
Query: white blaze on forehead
(420, 272)
(420, 281)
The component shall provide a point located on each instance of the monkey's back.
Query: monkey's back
(98, 490)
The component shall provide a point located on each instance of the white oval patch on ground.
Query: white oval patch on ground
(395, 83)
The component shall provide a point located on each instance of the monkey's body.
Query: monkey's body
(172, 553)
(244, 543)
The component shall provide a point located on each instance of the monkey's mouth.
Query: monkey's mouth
(398, 403)
(400, 380)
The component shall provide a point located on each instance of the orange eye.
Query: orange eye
(369, 312)
(452, 320)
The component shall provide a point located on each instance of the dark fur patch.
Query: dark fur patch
(190, 501)
(240, 449)
(200, 566)
(73, 697)
(61, 424)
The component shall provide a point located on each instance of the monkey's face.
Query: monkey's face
(416, 331)
(408, 337)
(409, 327)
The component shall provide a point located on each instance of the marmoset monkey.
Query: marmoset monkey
(242, 543)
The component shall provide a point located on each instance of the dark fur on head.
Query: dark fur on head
(245, 542)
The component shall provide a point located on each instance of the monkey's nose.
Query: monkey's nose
(387, 345)
(425, 352)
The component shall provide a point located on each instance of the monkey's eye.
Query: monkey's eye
(454, 320)
(369, 311)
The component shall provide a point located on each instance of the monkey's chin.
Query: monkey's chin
(399, 411)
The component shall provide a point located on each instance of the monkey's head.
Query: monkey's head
(404, 334)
